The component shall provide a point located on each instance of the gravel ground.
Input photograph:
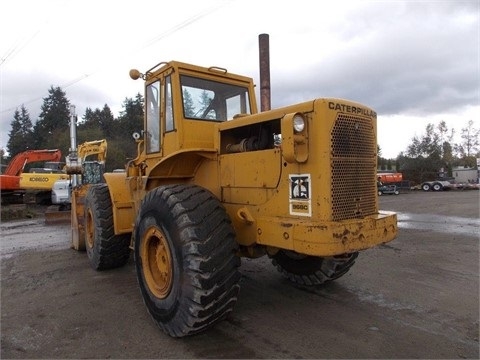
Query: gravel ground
(415, 297)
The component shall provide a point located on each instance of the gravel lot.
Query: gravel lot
(415, 297)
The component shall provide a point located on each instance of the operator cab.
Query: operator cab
(183, 104)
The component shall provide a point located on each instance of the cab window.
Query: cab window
(212, 100)
(170, 125)
(152, 104)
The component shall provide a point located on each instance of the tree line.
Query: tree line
(52, 128)
(434, 152)
(421, 161)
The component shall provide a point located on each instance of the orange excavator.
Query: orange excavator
(10, 179)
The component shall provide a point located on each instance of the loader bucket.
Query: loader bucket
(57, 217)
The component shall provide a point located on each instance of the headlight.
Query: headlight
(294, 131)
(298, 123)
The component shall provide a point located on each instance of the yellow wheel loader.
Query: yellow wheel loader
(82, 170)
(216, 180)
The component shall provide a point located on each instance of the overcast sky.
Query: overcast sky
(414, 62)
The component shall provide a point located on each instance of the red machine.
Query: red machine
(388, 178)
(10, 180)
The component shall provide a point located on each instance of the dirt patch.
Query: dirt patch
(21, 211)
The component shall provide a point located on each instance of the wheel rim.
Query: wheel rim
(89, 229)
(157, 262)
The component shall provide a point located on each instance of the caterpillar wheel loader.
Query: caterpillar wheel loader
(215, 180)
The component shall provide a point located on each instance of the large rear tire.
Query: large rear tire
(105, 250)
(185, 258)
(312, 270)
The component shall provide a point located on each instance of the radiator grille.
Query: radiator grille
(353, 166)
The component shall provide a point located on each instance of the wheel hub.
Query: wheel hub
(89, 231)
(157, 263)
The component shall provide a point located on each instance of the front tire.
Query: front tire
(312, 270)
(105, 250)
(185, 258)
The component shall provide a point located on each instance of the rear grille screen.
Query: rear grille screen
(353, 167)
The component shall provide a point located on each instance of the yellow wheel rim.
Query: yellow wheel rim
(157, 262)
(89, 230)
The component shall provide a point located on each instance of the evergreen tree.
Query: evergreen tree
(21, 135)
(205, 101)
(88, 134)
(188, 104)
(99, 119)
(117, 156)
(2, 160)
(52, 128)
(88, 118)
(131, 118)
(129, 121)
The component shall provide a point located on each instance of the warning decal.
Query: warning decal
(300, 195)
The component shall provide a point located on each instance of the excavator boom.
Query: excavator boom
(16, 165)
(10, 179)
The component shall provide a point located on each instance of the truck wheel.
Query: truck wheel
(312, 270)
(437, 187)
(426, 187)
(185, 259)
(105, 250)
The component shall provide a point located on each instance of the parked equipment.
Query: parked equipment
(389, 178)
(437, 185)
(388, 189)
(82, 172)
(91, 171)
(15, 183)
(215, 180)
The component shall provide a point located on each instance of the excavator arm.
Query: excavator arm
(16, 165)
(88, 148)
(10, 179)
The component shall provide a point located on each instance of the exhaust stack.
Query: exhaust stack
(264, 54)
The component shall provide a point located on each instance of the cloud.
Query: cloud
(412, 61)
(425, 63)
